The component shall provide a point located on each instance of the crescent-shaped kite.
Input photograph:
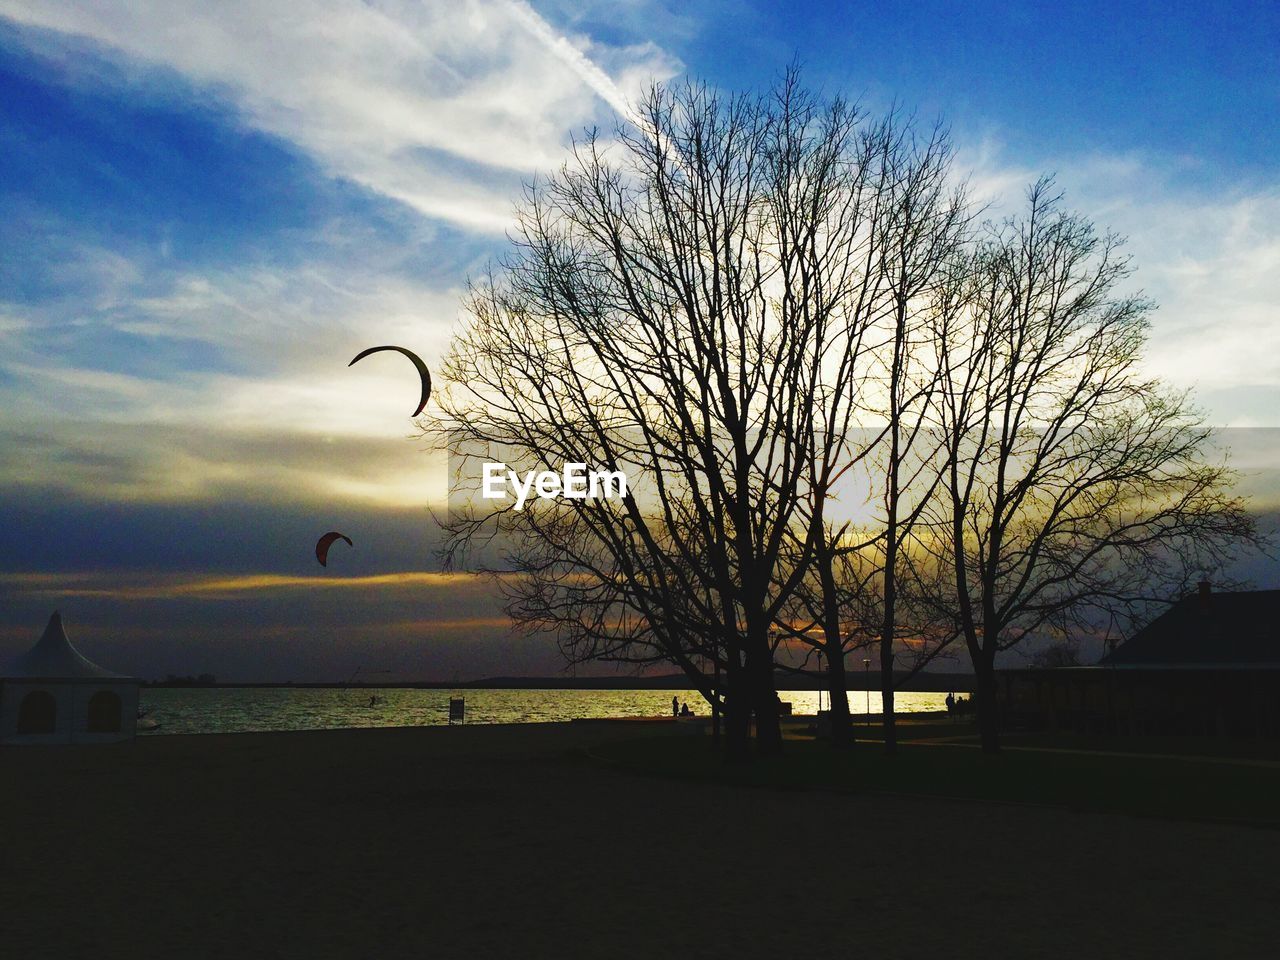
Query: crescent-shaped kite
(325, 542)
(423, 372)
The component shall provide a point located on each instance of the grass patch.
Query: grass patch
(1182, 789)
(918, 730)
(1217, 747)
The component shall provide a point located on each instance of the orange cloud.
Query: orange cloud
(212, 587)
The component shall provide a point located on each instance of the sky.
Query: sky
(207, 209)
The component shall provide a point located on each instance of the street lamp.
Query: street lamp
(819, 681)
(866, 685)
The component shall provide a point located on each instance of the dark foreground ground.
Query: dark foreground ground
(509, 842)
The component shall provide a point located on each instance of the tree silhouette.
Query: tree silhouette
(1076, 485)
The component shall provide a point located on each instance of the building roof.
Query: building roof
(54, 658)
(1239, 628)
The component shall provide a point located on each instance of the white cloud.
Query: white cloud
(280, 414)
(445, 106)
(1209, 259)
(571, 55)
(11, 324)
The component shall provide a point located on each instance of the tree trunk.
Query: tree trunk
(886, 697)
(737, 712)
(892, 496)
(764, 698)
(888, 628)
(833, 647)
(988, 705)
(841, 726)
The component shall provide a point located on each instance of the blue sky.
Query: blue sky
(1182, 79)
(206, 210)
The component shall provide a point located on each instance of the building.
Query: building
(1207, 666)
(54, 694)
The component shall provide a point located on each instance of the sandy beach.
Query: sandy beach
(508, 841)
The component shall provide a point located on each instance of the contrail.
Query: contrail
(572, 57)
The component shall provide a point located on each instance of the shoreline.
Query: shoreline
(211, 710)
(684, 725)
(929, 683)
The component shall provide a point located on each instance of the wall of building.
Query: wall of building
(72, 720)
(1181, 702)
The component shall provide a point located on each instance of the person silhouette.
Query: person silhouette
(675, 706)
(951, 702)
(685, 711)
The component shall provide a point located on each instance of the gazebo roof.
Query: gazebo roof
(54, 658)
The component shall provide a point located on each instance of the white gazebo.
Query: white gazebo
(54, 694)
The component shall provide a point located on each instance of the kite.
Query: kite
(423, 372)
(325, 542)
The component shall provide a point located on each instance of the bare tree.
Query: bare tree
(683, 305)
(925, 224)
(915, 220)
(1064, 653)
(1076, 486)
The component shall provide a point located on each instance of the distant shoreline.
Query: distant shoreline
(921, 683)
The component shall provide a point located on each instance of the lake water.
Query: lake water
(249, 709)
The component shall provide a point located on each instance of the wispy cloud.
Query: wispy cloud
(571, 55)
(266, 626)
(1208, 256)
(150, 376)
(118, 586)
(443, 106)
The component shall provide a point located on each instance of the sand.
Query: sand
(509, 842)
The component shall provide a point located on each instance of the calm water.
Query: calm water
(242, 709)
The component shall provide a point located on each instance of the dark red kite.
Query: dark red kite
(325, 542)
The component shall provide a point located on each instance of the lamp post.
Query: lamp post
(866, 685)
(819, 681)
(715, 698)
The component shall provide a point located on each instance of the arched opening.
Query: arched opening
(104, 712)
(38, 713)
